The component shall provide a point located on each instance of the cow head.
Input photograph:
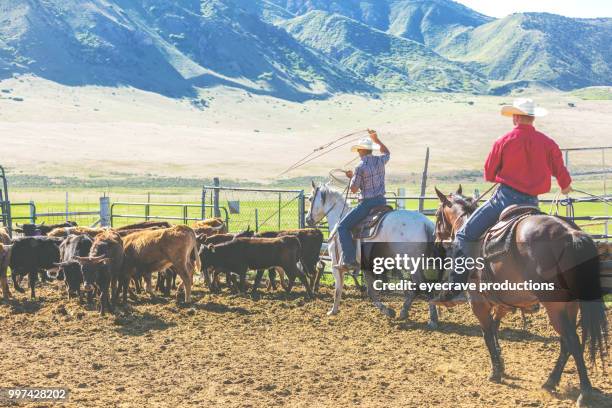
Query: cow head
(93, 267)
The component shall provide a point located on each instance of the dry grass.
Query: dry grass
(97, 131)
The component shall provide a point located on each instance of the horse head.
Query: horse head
(453, 211)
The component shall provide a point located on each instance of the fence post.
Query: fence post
(203, 213)
(67, 207)
(216, 197)
(32, 212)
(401, 203)
(105, 213)
(279, 211)
(424, 182)
(256, 220)
(301, 210)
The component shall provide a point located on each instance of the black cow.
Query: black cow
(68, 269)
(102, 269)
(33, 230)
(311, 240)
(31, 255)
(242, 254)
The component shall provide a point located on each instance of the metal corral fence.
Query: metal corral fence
(255, 208)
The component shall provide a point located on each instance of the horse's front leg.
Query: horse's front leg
(375, 296)
(482, 310)
(339, 284)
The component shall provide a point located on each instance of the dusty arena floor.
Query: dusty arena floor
(279, 351)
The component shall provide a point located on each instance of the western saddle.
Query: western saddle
(368, 228)
(499, 238)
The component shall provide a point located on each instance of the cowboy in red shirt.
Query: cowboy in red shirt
(522, 162)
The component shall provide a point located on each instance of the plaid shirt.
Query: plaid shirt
(369, 176)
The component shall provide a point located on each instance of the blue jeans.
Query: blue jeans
(467, 241)
(350, 221)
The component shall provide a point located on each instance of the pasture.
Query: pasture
(278, 351)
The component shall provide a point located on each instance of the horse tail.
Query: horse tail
(588, 291)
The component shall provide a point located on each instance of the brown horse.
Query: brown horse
(545, 249)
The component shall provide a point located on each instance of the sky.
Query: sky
(570, 8)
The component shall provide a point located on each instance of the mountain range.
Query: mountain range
(299, 49)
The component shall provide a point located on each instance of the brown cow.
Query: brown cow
(65, 231)
(144, 225)
(210, 226)
(5, 238)
(5, 258)
(156, 250)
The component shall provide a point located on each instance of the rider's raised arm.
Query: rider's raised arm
(386, 153)
(494, 161)
(558, 168)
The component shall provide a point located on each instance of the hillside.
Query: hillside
(387, 62)
(567, 53)
(163, 47)
(297, 49)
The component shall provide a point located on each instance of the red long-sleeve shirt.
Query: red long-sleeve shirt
(525, 160)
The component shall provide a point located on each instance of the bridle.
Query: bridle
(314, 200)
(442, 222)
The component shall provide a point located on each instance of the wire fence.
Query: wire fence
(257, 209)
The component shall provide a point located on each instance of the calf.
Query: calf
(213, 283)
(68, 269)
(156, 250)
(311, 240)
(102, 270)
(31, 255)
(242, 254)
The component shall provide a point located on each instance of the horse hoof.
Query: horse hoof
(495, 377)
(549, 387)
(390, 313)
(432, 325)
(403, 315)
(332, 312)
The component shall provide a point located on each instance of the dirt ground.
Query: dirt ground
(232, 351)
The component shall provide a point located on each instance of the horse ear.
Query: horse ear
(313, 184)
(443, 199)
(460, 190)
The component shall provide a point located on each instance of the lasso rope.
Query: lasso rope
(309, 157)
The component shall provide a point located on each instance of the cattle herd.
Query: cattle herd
(108, 265)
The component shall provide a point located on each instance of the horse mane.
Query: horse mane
(326, 189)
(468, 204)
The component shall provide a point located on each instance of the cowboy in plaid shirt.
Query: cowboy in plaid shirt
(369, 180)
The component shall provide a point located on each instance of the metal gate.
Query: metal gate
(256, 208)
(5, 204)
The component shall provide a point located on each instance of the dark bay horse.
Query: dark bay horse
(546, 249)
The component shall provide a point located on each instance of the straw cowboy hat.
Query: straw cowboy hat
(523, 106)
(365, 144)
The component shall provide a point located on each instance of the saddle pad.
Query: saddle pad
(368, 228)
(499, 238)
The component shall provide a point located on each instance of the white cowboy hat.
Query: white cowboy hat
(523, 106)
(365, 144)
